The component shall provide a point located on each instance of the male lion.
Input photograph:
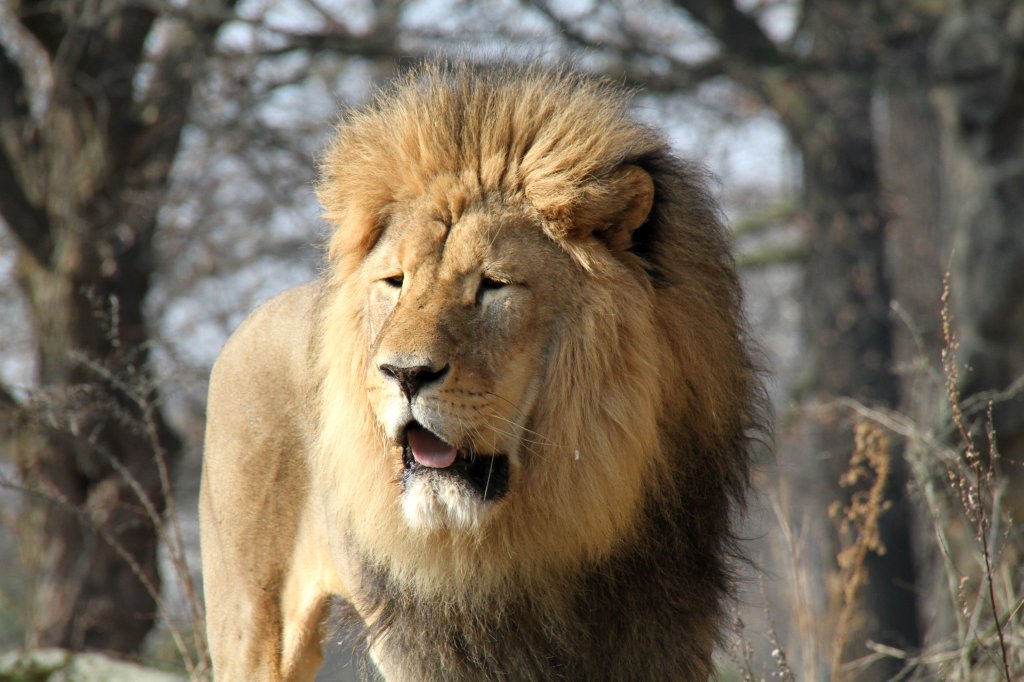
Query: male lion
(509, 425)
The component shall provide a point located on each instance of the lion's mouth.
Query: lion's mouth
(423, 453)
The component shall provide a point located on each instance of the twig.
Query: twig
(778, 653)
(55, 497)
(174, 543)
(974, 506)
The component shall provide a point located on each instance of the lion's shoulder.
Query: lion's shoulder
(263, 375)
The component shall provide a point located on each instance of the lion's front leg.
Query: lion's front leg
(267, 573)
(265, 610)
(306, 598)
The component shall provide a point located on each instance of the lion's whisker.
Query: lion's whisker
(527, 444)
(541, 438)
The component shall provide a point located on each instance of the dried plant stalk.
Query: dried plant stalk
(858, 526)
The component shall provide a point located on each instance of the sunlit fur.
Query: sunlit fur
(638, 433)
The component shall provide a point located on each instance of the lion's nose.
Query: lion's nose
(412, 376)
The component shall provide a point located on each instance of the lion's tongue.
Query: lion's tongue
(429, 450)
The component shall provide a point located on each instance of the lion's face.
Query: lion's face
(461, 318)
(528, 336)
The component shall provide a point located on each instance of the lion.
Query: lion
(510, 424)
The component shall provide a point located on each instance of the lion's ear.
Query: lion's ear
(634, 189)
(611, 208)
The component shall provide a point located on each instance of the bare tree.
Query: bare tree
(99, 100)
(90, 124)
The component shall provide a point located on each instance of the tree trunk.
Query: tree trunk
(918, 255)
(847, 323)
(81, 183)
(823, 91)
(94, 460)
(978, 57)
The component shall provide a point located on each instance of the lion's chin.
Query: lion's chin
(433, 502)
(460, 496)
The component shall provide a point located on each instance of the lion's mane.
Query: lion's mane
(615, 563)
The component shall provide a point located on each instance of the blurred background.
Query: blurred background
(156, 168)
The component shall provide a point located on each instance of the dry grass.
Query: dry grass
(54, 411)
(973, 475)
(958, 491)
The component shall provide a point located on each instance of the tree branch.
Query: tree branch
(739, 33)
(782, 212)
(679, 76)
(12, 416)
(162, 113)
(375, 45)
(92, 38)
(772, 256)
(570, 31)
(7, 399)
(113, 50)
(676, 79)
(26, 221)
(44, 22)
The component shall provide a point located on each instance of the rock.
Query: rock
(58, 665)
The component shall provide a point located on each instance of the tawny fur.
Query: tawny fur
(633, 398)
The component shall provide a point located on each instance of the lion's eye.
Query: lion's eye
(488, 284)
(395, 281)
